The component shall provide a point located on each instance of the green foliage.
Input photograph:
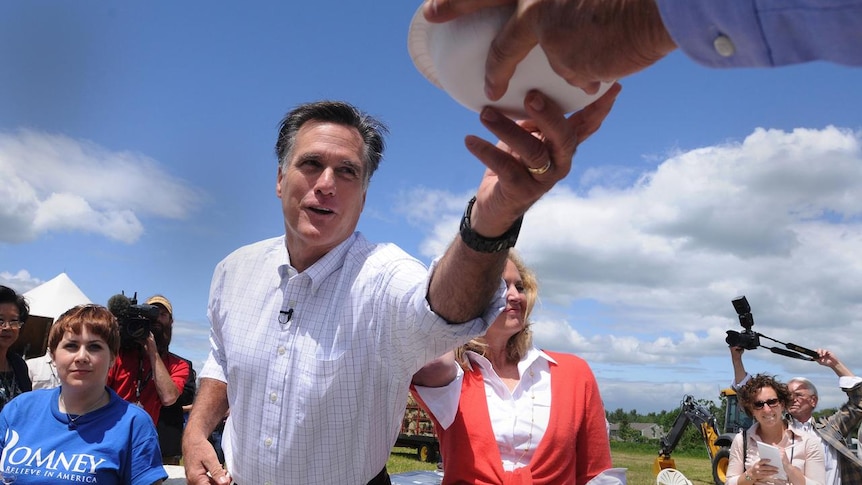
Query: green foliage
(638, 459)
(823, 413)
(627, 433)
(692, 441)
(405, 460)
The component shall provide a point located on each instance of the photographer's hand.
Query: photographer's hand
(168, 390)
(829, 359)
(150, 347)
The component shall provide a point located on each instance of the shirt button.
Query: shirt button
(724, 46)
(281, 350)
(267, 442)
(273, 397)
(267, 483)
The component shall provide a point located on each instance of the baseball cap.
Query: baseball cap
(160, 300)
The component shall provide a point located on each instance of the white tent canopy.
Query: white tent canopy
(47, 302)
(53, 297)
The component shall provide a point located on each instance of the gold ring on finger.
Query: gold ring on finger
(540, 170)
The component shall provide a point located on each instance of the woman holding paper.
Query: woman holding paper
(769, 452)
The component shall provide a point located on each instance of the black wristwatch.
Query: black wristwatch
(482, 244)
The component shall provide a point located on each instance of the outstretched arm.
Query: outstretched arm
(843, 422)
(739, 373)
(586, 41)
(530, 159)
(830, 360)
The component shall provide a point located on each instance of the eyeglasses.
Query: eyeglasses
(11, 323)
(769, 402)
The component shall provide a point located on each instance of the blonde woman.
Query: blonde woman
(506, 412)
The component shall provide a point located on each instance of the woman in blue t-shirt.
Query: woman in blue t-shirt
(82, 431)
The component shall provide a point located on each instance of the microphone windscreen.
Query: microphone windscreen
(119, 305)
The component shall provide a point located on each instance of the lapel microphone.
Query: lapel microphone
(285, 316)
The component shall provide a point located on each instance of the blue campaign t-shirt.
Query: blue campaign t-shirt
(115, 444)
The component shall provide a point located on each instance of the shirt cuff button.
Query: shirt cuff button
(724, 46)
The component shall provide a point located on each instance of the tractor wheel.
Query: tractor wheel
(427, 453)
(719, 466)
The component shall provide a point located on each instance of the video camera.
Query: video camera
(749, 339)
(136, 321)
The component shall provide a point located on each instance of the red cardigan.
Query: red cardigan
(573, 450)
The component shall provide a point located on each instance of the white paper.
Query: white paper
(773, 454)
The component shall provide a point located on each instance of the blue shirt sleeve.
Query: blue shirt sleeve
(757, 33)
(146, 457)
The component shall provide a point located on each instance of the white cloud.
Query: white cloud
(21, 281)
(640, 275)
(56, 183)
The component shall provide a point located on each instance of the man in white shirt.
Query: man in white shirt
(316, 334)
(43, 374)
(842, 465)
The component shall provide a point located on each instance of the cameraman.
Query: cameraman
(145, 373)
(842, 465)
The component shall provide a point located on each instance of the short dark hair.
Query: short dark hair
(370, 129)
(8, 295)
(748, 392)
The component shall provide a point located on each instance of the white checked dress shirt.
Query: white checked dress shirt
(319, 398)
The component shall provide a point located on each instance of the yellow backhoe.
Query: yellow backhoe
(717, 444)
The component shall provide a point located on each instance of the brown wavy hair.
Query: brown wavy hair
(748, 392)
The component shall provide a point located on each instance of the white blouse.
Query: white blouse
(519, 417)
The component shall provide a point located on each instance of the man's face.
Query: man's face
(163, 326)
(322, 190)
(803, 403)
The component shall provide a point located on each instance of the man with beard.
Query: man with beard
(147, 374)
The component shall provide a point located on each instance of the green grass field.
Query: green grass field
(637, 458)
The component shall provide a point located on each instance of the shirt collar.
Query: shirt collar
(527, 361)
(322, 268)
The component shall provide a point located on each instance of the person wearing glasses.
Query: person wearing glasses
(14, 376)
(842, 465)
(802, 463)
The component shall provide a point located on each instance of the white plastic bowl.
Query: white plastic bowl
(452, 56)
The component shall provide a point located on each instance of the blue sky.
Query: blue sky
(136, 152)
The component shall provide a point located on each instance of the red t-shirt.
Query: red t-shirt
(132, 374)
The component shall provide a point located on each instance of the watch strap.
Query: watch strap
(482, 244)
